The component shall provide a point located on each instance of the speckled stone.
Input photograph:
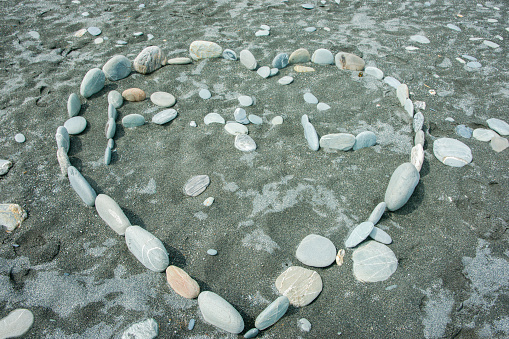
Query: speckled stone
(452, 152)
(149, 250)
(134, 94)
(92, 83)
(149, 60)
(401, 186)
(118, 67)
(63, 161)
(204, 50)
(303, 69)
(182, 283)
(349, 61)
(417, 156)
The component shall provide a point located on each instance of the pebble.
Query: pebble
(317, 251)
(63, 161)
(228, 54)
(280, 61)
(375, 72)
(464, 131)
(393, 82)
(73, 105)
(5, 165)
(62, 137)
(204, 94)
(409, 107)
(115, 99)
(420, 39)
(262, 32)
(95, 31)
(133, 120)
(349, 61)
(310, 133)
(149, 250)
(364, 139)
(85, 14)
(303, 69)
(234, 128)
(164, 117)
(265, 27)
(245, 143)
(304, 324)
(300, 285)
(401, 186)
(338, 141)
(499, 126)
(241, 116)
(264, 71)
(182, 283)
(196, 185)
(81, 186)
(213, 118)
(299, 56)
(454, 27)
(112, 112)
(211, 252)
(322, 106)
(121, 42)
(190, 326)
(162, 99)
(310, 29)
(402, 94)
(468, 57)
(272, 313)
(179, 61)
(147, 329)
(137, 33)
(419, 138)
(149, 36)
(245, 100)
(411, 48)
(11, 216)
(134, 94)
(277, 120)
(111, 213)
(483, 134)
(417, 156)
(110, 128)
(498, 144)
(111, 143)
(75, 125)
(118, 67)
(16, 323)
(220, 313)
(418, 121)
(373, 262)
(359, 233)
(308, 6)
(107, 156)
(149, 60)
(380, 235)
(474, 64)
(98, 41)
(255, 119)
(92, 82)
(491, 44)
(199, 50)
(251, 333)
(80, 32)
(248, 60)
(209, 201)
(310, 98)
(377, 213)
(286, 80)
(322, 56)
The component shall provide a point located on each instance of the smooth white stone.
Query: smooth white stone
(393, 82)
(147, 329)
(300, 285)
(380, 235)
(73, 105)
(162, 99)
(204, 49)
(245, 100)
(411, 48)
(248, 60)
(75, 125)
(373, 262)
(317, 251)
(359, 233)
(262, 32)
(419, 138)
(115, 99)
(244, 143)
(310, 98)
(19, 138)
(265, 27)
(209, 201)
(303, 323)
(164, 117)
(377, 213)
(375, 72)
(111, 213)
(417, 156)
(5, 165)
(272, 313)
(196, 185)
(241, 116)
(286, 80)
(204, 94)
(149, 250)
(112, 112)
(255, 119)
(401, 186)
(402, 94)
(338, 141)
(454, 27)
(92, 82)
(277, 120)
(234, 128)
(16, 323)
(420, 39)
(107, 156)
(264, 71)
(322, 106)
(452, 152)
(220, 313)
(491, 44)
(322, 56)
(483, 134)
(81, 186)
(213, 118)
(192, 123)
(310, 133)
(499, 126)
(179, 61)
(409, 107)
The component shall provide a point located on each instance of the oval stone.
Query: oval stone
(245, 100)
(349, 61)
(499, 126)
(73, 105)
(81, 186)
(317, 251)
(380, 235)
(255, 119)
(220, 313)
(322, 106)
(164, 117)
(483, 134)
(115, 99)
(149, 60)
(149, 250)
(204, 94)
(182, 283)
(310, 133)
(244, 143)
(498, 144)
(248, 60)
(393, 82)
(133, 120)
(134, 94)
(252, 333)
(418, 121)
(234, 128)
(118, 67)
(364, 139)
(264, 71)
(280, 61)
(107, 156)
(272, 313)
(303, 69)
(112, 112)
(300, 285)
(110, 128)
(16, 323)
(299, 56)
(92, 83)
(463, 131)
(62, 137)
(162, 99)
(373, 262)
(374, 71)
(310, 98)
(111, 213)
(452, 152)
(229, 54)
(196, 185)
(286, 80)
(213, 118)
(338, 141)
(401, 186)
(419, 138)
(377, 213)
(63, 161)
(204, 49)
(75, 125)
(322, 56)
(241, 116)
(417, 156)
(359, 233)
(179, 61)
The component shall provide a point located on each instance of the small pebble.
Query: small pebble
(162, 99)
(196, 185)
(286, 80)
(98, 41)
(251, 333)
(265, 27)
(474, 64)
(138, 33)
(310, 29)
(85, 14)
(264, 71)
(94, 31)
(498, 144)
(255, 119)
(420, 39)
(75, 125)
(310, 98)
(193, 123)
(191, 324)
(228, 54)
(213, 118)
(211, 252)
(277, 120)
(322, 106)
(308, 6)
(121, 42)
(150, 37)
(304, 325)
(464, 131)
(245, 100)
(262, 32)
(209, 201)
(19, 138)
(204, 93)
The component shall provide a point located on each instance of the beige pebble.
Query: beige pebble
(349, 61)
(134, 94)
(179, 61)
(298, 56)
(498, 144)
(303, 69)
(182, 283)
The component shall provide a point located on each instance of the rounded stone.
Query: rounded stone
(380, 235)
(419, 138)
(349, 61)
(280, 61)
(229, 54)
(149, 250)
(133, 120)
(115, 99)
(499, 126)
(264, 71)
(303, 69)
(418, 121)
(286, 80)
(338, 141)
(182, 283)
(75, 125)
(212, 252)
(204, 94)
(317, 251)
(16, 323)
(417, 156)
(63, 161)
(374, 71)
(498, 144)
(196, 185)
(240, 116)
(149, 60)
(204, 49)
(147, 329)
(364, 139)
(111, 213)
(322, 56)
(299, 56)
(134, 94)
(483, 134)
(112, 112)
(234, 128)
(359, 233)
(63, 139)
(164, 117)
(277, 120)
(401, 186)
(5, 165)
(272, 313)
(118, 67)
(322, 106)
(162, 99)
(373, 262)
(255, 119)
(262, 32)
(251, 333)
(244, 143)
(304, 324)
(73, 105)
(179, 61)
(213, 118)
(377, 213)
(248, 60)
(245, 100)
(81, 186)
(300, 285)
(95, 31)
(220, 313)
(420, 39)
(310, 98)
(92, 82)
(452, 152)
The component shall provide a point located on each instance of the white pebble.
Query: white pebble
(262, 32)
(85, 14)
(19, 138)
(277, 120)
(208, 201)
(193, 123)
(98, 41)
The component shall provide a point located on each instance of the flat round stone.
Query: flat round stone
(272, 313)
(182, 283)
(134, 94)
(498, 144)
(308, 6)
(162, 99)
(118, 67)
(149, 250)
(73, 105)
(286, 80)
(310, 29)
(245, 100)
(111, 213)
(338, 141)
(364, 139)
(241, 116)
(244, 143)
(94, 31)
(19, 138)
(452, 152)
(133, 120)
(92, 82)
(247, 59)
(164, 117)
(204, 94)
(300, 285)
(196, 185)
(310, 98)
(204, 49)
(499, 126)
(373, 262)
(359, 233)
(277, 120)
(264, 71)
(374, 72)
(234, 128)
(474, 64)
(317, 251)
(401, 186)
(213, 118)
(299, 56)
(5, 165)
(211, 252)
(75, 125)
(220, 313)
(322, 56)
(262, 32)
(255, 119)
(16, 323)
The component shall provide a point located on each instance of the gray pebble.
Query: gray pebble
(112, 112)
(338, 141)
(107, 156)
(95, 31)
(255, 119)
(364, 139)
(419, 138)
(310, 29)
(380, 235)
(322, 56)
(452, 152)
(308, 6)
(75, 125)
(315, 250)
(264, 71)
(240, 116)
(92, 82)
(111, 213)
(63, 161)
(228, 54)
(110, 129)
(474, 64)
(244, 143)
(464, 131)
(148, 249)
(401, 186)
(111, 143)
(359, 233)
(73, 105)
(245, 100)
(133, 120)
(310, 98)
(204, 93)
(164, 117)
(196, 185)
(310, 133)
(377, 213)
(115, 99)
(322, 106)
(190, 326)
(212, 252)
(272, 313)
(286, 80)
(304, 324)
(499, 126)
(118, 67)
(418, 121)
(63, 139)
(248, 60)
(5, 165)
(251, 333)
(147, 329)
(220, 313)
(280, 61)
(393, 82)
(121, 42)
(81, 186)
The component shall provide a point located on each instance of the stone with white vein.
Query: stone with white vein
(300, 285)
(149, 250)
(245, 143)
(220, 313)
(111, 213)
(204, 49)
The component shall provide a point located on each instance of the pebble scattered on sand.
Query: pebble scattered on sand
(11, 216)
(133, 120)
(149, 250)
(300, 285)
(162, 99)
(452, 152)
(373, 262)
(147, 329)
(220, 313)
(316, 250)
(182, 283)
(196, 185)
(164, 116)
(272, 313)
(75, 125)
(204, 94)
(16, 323)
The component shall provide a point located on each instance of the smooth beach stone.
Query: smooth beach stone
(248, 60)
(474, 64)
(499, 126)
(204, 49)
(133, 120)
(73, 105)
(11, 216)
(209, 201)
(19, 138)
(300, 285)
(498, 144)
(373, 262)
(75, 125)
(162, 99)
(62, 137)
(464, 131)
(304, 324)
(374, 72)
(179, 61)
(317, 251)
(265, 27)
(220, 313)
(63, 160)
(409, 107)
(286, 80)
(229, 54)
(110, 128)
(95, 31)
(149, 60)
(310, 98)
(364, 139)
(182, 283)
(149, 250)
(272, 313)
(264, 71)
(191, 324)
(164, 117)
(402, 94)
(483, 134)
(419, 138)
(211, 252)
(359, 233)
(16, 323)
(111, 143)
(322, 106)
(112, 112)
(491, 44)
(303, 69)
(92, 82)
(299, 56)
(5, 165)
(274, 71)
(308, 6)
(380, 235)
(111, 213)
(401, 186)
(262, 32)
(280, 61)
(213, 118)
(377, 213)
(204, 94)
(240, 116)
(418, 121)
(245, 100)
(115, 99)
(393, 82)
(277, 120)
(251, 333)
(349, 61)
(234, 128)
(420, 39)
(107, 156)
(337, 141)
(134, 94)
(121, 42)
(454, 27)
(417, 156)
(255, 119)
(146, 329)
(244, 143)
(310, 29)
(310, 133)
(322, 56)
(81, 186)
(118, 67)
(196, 185)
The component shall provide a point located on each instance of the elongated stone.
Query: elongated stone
(393, 82)
(419, 138)
(338, 141)
(452, 152)
(204, 49)
(62, 137)
(377, 213)
(234, 128)
(75, 125)
(115, 99)
(149, 250)
(163, 99)
(380, 236)
(112, 112)
(417, 156)
(300, 285)
(73, 105)
(401, 186)
(179, 61)
(359, 233)
(92, 83)
(418, 121)
(499, 126)
(248, 60)
(133, 120)
(107, 156)
(272, 313)
(317, 251)
(303, 69)
(483, 134)
(196, 185)
(349, 61)
(252, 333)
(182, 283)
(5, 165)
(16, 323)
(374, 71)
(63, 161)
(220, 313)
(286, 80)
(118, 67)
(409, 107)
(111, 213)
(245, 143)
(213, 118)
(255, 119)
(402, 94)
(81, 186)
(299, 56)
(149, 60)
(364, 139)
(11, 216)
(164, 117)
(310, 133)
(110, 128)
